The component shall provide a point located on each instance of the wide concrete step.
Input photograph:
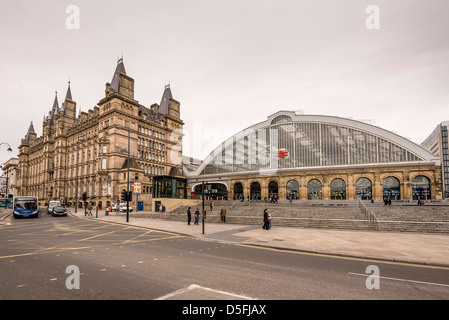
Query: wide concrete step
(308, 222)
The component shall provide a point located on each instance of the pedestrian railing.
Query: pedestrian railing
(369, 215)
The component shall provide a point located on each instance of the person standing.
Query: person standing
(269, 221)
(265, 219)
(197, 216)
(189, 216)
(223, 214)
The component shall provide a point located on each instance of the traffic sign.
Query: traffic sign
(137, 188)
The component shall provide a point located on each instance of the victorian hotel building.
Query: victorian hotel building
(90, 150)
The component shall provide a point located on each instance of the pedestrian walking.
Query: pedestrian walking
(189, 216)
(265, 219)
(269, 221)
(197, 216)
(90, 210)
(211, 205)
(223, 214)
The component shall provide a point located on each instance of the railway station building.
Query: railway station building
(296, 156)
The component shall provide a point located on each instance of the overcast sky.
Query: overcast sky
(230, 63)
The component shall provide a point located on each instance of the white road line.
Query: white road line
(402, 280)
(195, 286)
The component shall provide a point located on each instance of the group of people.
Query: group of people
(197, 215)
(189, 216)
(266, 217)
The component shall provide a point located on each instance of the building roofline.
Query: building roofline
(299, 117)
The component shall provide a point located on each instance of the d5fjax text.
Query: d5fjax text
(245, 309)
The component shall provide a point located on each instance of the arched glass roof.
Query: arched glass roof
(288, 140)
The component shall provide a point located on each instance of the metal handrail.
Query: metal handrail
(369, 215)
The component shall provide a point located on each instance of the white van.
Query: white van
(122, 207)
(53, 204)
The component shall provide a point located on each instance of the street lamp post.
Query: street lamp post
(127, 183)
(203, 206)
(9, 147)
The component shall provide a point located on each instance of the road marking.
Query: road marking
(195, 286)
(399, 279)
(103, 234)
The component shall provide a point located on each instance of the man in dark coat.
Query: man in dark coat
(265, 219)
(189, 216)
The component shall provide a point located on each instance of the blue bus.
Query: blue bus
(6, 203)
(25, 207)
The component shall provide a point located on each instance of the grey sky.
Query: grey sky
(230, 63)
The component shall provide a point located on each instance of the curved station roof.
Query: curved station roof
(288, 141)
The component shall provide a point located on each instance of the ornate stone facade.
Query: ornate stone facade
(90, 150)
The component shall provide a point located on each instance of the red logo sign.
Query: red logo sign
(282, 154)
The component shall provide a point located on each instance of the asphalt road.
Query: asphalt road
(42, 258)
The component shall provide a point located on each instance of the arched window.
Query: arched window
(314, 190)
(238, 190)
(363, 189)
(338, 189)
(273, 189)
(292, 190)
(391, 188)
(421, 188)
(255, 191)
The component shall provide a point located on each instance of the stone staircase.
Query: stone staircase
(399, 217)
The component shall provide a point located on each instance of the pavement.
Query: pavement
(411, 248)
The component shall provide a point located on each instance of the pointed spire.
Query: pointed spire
(68, 96)
(163, 106)
(55, 106)
(31, 128)
(116, 78)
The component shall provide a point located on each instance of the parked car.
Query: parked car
(53, 204)
(122, 207)
(59, 211)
